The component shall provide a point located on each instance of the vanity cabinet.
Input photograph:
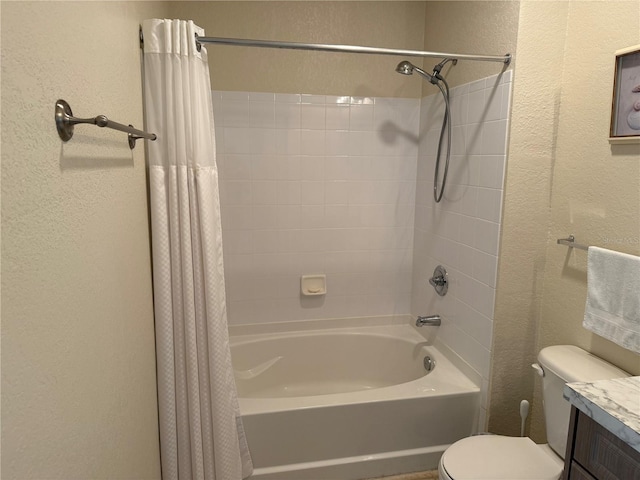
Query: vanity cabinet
(594, 453)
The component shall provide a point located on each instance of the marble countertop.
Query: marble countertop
(614, 404)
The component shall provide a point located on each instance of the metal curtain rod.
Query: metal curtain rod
(65, 121)
(243, 42)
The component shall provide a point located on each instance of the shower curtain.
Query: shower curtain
(201, 434)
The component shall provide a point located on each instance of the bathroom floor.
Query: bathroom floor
(430, 475)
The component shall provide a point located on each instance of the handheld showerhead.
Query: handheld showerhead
(407, 68)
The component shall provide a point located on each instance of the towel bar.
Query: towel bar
(65, 121)
(570, 242)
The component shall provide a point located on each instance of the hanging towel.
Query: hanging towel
(613, 297)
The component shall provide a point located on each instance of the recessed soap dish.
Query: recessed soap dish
(311, 285)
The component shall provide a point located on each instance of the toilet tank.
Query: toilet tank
(565, 364)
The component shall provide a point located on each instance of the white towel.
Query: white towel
(613, 297)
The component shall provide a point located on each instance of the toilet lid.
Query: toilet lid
(496, 457)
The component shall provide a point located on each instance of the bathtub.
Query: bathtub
(349, 398)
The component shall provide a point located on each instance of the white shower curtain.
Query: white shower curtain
(201, 432)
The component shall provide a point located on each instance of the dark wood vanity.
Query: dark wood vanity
(594, 453)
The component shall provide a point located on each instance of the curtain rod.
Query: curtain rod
(243, 42)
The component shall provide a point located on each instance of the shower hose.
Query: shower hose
(446, 125)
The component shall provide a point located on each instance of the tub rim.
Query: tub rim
(467, 379)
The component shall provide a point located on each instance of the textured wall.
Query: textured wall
(595, 189)
(526, 210)
(378, 24)
(596, 186)
(563, 177)
(474, 27)
(78, 363)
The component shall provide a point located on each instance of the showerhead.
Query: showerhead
(407, 68)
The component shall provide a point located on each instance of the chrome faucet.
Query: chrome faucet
(429, 320)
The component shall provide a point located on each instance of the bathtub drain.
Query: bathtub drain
(429, 363)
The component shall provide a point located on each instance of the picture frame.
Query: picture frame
(625, 105)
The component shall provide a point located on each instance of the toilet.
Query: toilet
(498, 457)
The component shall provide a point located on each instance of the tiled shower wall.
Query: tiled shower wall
(462, 232)
(316, 185)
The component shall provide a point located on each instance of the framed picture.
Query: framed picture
(625, 109)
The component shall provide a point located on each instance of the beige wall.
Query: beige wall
(563, 177)
(595, 187)
(382, 24)
(473, 27)
(78, 362)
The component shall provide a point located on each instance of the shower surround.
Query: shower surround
(343, 186)
(462, 232)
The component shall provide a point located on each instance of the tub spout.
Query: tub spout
(429, 320)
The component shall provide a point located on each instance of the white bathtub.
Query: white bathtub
(349, 399)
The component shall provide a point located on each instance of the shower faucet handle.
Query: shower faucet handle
(440, 281)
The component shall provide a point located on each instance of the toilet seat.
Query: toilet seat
(497, 457)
